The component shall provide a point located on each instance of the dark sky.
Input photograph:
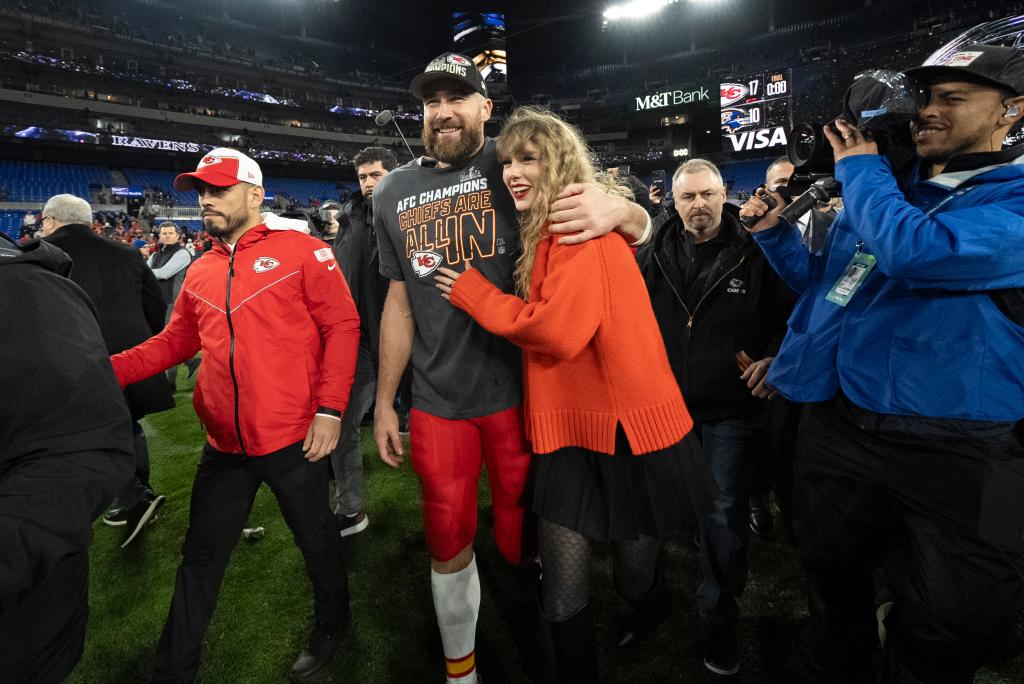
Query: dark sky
(543, 35)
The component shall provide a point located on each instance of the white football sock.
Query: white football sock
(457, 605)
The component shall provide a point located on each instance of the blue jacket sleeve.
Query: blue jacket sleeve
(973, 248)
(787, 254)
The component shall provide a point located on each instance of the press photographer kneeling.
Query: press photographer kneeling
(907, 345)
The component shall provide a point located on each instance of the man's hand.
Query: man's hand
(587, 211)
(755, 375)
(755, 206)
(849, 141)
(385, 433)
(321, 437)
(654, 194)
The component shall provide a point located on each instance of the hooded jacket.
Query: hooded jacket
(930, 332)
(355, 248)
(279, 335)
(743, 306)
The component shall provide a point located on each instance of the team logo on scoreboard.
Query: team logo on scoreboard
(735, 118)
(730, 93)
(425, 263)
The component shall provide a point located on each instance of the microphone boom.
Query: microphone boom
(383, 118)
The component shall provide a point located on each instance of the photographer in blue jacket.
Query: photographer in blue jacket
(907, 344)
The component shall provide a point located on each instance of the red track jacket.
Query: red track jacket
(279, 335)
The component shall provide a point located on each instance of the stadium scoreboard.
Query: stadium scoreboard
(756, 111)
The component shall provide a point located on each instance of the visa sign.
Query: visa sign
(671, 98)
(757, 140)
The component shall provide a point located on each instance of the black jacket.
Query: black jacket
(128, 302)
(355, 249)
(65, 451)
(743, 306)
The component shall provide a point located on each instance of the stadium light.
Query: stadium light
(635, 9)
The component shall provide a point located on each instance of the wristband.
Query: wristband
(328, 412)
(648, 229)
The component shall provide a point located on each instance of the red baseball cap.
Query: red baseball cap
(222, 167)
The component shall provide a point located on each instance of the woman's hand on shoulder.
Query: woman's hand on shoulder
(445, 280)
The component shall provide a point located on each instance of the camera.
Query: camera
(881, 103)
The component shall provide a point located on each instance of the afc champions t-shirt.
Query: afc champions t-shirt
(428, 217)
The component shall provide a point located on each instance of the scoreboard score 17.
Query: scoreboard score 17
(756, 111)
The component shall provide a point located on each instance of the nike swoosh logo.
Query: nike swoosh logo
(330, 267)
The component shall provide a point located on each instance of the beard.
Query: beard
(950, 142)
(700, 223)
(454, 152)
(232, 222)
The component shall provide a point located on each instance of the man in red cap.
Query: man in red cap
(274, 319)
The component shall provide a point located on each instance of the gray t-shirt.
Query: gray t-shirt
(426, 217)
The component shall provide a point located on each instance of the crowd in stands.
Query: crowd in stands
(145, 86)
(120, 227)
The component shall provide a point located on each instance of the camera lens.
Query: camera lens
(804, 141)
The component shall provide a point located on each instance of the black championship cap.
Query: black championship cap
(451, 66)
(991, 65)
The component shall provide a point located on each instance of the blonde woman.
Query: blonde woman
(604, 414)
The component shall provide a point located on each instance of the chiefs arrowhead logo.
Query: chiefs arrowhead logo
(425, 263)
(264, 264)
(459, 59)
(210, 160)
(732, 92)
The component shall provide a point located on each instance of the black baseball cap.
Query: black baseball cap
(991, 65)
(453, 67)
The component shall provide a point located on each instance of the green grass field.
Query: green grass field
(265, 606)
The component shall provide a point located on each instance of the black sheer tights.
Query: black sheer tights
(565, 555)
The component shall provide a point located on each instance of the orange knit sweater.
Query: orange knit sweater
(593, 353)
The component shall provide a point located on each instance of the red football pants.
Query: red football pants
(447, 456)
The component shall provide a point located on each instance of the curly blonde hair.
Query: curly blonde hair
(564, 158)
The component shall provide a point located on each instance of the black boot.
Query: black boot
(322, 647)
(648, 612)
(575, 650)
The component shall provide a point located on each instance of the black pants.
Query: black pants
(948, 496)
(222, 496)
(47, 505)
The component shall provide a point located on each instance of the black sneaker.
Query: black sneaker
(141, 515)
(323, 646)
(115, 516)
(761, 522)
(353, 524)
(721, 653)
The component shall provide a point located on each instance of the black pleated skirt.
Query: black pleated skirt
(622, 497)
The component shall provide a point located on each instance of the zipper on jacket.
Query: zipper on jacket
(739, 263)
(693, 314)
(231, 349)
